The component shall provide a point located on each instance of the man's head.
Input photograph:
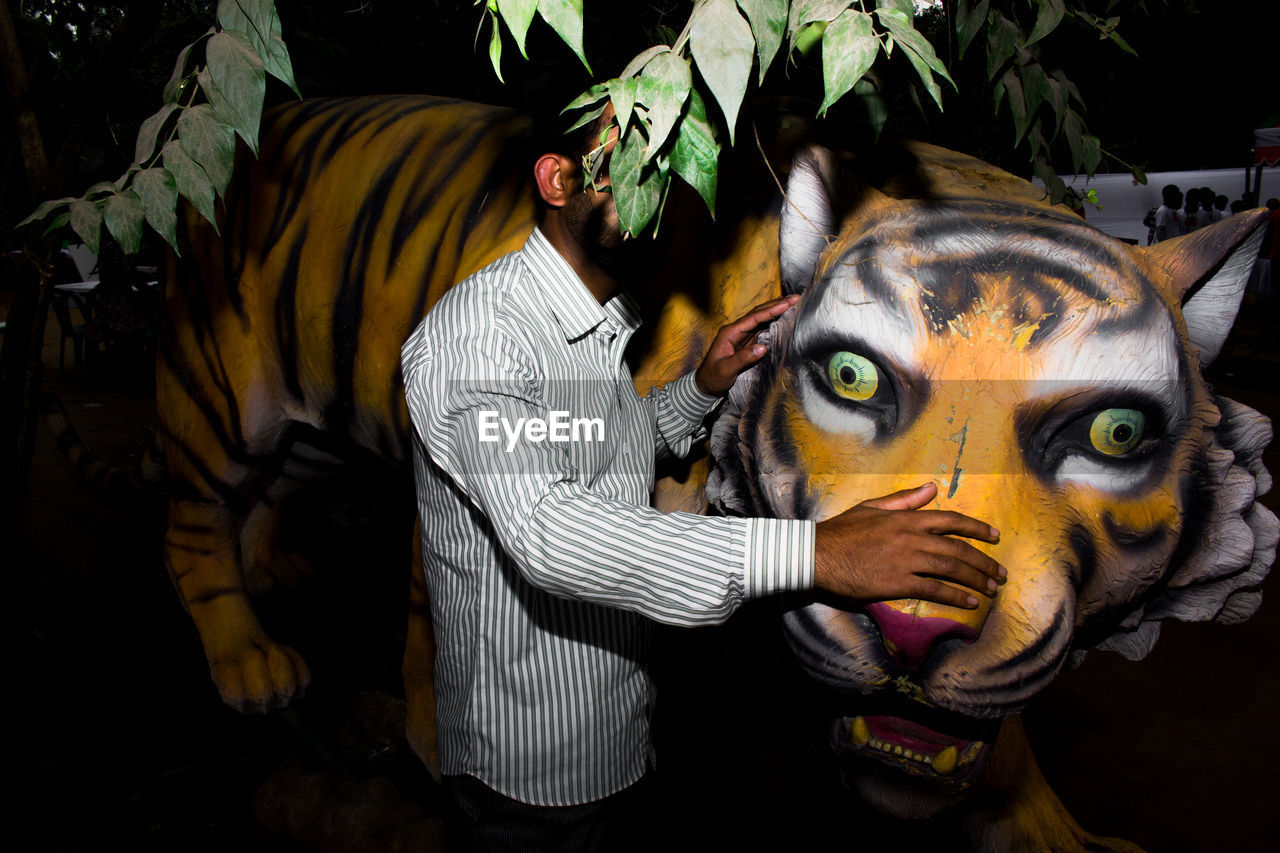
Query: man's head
(586, 213)
(1171, 195)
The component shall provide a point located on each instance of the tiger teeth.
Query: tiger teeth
(945, 762)
(859, 733)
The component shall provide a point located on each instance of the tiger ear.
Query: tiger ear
(1208, 270)
(808, 217)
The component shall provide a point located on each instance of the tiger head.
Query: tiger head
(1047, 378)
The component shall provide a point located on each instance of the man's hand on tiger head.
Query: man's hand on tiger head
(889, 548)
(736, 348)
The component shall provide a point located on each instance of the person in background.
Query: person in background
(1168, 219)
(1220, 208)
(1190, 214)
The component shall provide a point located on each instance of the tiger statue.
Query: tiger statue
(953, 326)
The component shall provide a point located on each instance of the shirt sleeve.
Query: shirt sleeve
(678, 568)
(679, 411)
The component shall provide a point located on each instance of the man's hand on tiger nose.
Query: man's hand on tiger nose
(889, 548)
(736, 348)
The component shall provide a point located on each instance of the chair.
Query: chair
(71, 329)
(85, 260)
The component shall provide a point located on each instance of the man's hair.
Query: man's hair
(1171, 195)
(549, 136)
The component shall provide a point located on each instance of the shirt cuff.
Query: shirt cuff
(687, 401)
(779, 555)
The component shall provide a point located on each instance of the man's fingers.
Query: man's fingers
(931, 589)
(906, 499)
(956, 569)
(948, 523)
(756, 317)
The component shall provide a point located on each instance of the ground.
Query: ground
(122, 739)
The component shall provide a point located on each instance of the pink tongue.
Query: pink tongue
(911, 735)
(913, 637)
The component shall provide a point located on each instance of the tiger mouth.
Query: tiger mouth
(946, 761)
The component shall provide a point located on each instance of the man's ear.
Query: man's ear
(556, 176)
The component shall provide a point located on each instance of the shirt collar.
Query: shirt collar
(565, 294)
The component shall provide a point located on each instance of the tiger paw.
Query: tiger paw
(259, 675)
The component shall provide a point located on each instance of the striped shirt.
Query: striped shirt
(542, 555)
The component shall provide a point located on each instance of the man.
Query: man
(1168, 216)
(544, 560)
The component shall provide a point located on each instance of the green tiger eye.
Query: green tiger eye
(852, 376)
(1117, 431)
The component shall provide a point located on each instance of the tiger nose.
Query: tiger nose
(911, 629)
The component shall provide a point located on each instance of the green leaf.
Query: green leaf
(276, 60)
(259, 22)
(906, 7)
(971, 17)
(663, 88)
(210, 142)
(86, 221)
(637, 187)
(641, 59)
(919, 51)
(495, 47)
(809, 37)
(149, 131)
(849, 47)
(1057, 97)
(1053, 185)
(1035, 86)
(118, 183)
(123, 216)
(877, 111)
(237, 84)
(1017, 104)
(587, 117)
(1073, 127)
(723, 47)
(768, 19)
(174, 88)
(804, 12)
(1121, 43)
(1069, 86)
(595, 94)
(518, 14)
(191, 180)
(623, 96)
(1051, 12)
(1035, 139)
(1002, 41)
(99, 188)
(1138, 174)
(1092, 154)
(565, 17)
(250, 18)
(45, 208)
(696, 152)
(57, 222)
(159, 195)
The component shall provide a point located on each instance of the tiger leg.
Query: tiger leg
(418, 668)
(1017, 810)
(217, 464)
(252, 672)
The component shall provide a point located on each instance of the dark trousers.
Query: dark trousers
(484, 821)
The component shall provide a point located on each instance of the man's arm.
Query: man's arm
(681, 406)
(678, 568)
